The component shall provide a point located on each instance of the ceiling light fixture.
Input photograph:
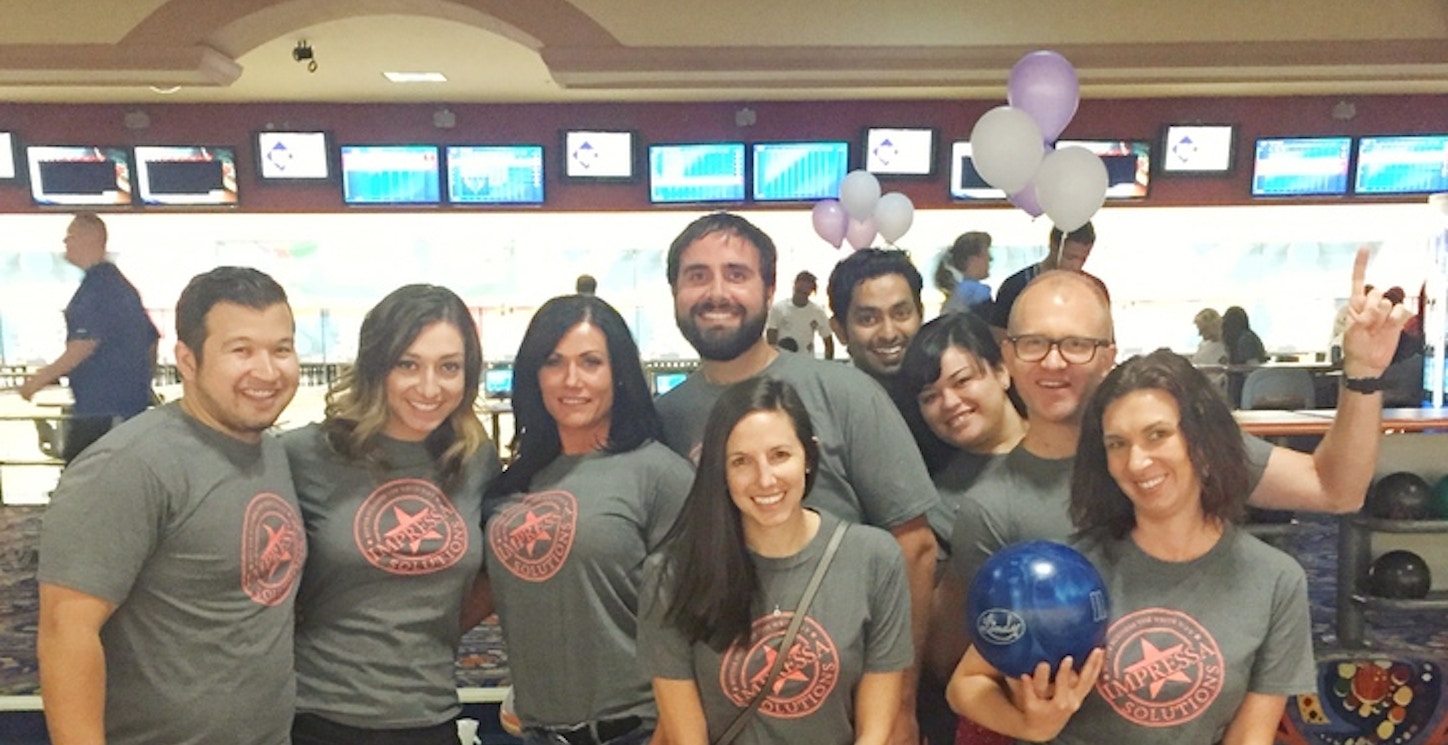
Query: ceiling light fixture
(415, 77)
(165, 91)
(303, 53)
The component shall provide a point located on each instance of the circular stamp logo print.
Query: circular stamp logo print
(273, 549)
(809, 674)
(1163, 668)
(408, 526)
(533, 536)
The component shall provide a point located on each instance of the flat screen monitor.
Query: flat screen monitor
(8, 157)
(900, 151)
(79, 176)
(965, 181)
(598, 155)
(495, 174)
(294, 157)
(498, 382)
(1197, 148)
(1300, 166)
(186, 176)
(668, 380)
(708, 172)
(391, 174)
(1407, 164)
(1128, 165)
(799, 171)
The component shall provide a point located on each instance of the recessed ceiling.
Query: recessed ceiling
(651, 50)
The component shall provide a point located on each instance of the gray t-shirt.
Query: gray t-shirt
(951, 483)
(1021, 497)
(1189, 640)
(197, 539)
(858, 622)
(566, 561)
(870, 470)
(392, 557)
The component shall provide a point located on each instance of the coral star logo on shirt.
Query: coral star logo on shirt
(410, 527)
(533, 536)
(1163, 668)
(273, 549)
(809, 674)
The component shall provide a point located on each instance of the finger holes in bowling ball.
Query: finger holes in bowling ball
(1399, 575)
(1401, 496)
(1033, 602)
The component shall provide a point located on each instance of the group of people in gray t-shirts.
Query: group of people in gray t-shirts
(204, 581)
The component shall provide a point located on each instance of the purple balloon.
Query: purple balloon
(830, 221)
(1027, 201)
(1044, 85)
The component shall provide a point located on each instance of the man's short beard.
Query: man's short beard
(722, 347)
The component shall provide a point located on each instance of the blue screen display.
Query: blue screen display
(799, 171)
(390, 174)
(668, 381)
(696, 173)
(1416, 164)
(498, 382)
(495, 174)
(1301, 166)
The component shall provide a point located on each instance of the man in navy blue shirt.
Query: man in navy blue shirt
(110, 342)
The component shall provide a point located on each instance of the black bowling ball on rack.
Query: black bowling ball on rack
(1399, 575)
(1400, 496)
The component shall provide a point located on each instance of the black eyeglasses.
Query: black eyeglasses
(1076, 350)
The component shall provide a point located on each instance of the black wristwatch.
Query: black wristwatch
(1365, 385)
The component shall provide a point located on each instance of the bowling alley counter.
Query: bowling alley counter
(1272, 423)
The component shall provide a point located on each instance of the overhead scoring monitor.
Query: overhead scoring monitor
(598, 155)
(293, 156)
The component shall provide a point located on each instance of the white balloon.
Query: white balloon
(1070, 186)
(858, 193)
(1006, 147)
(893, 215)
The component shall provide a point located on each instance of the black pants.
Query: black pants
(80, 432)
(310, 729)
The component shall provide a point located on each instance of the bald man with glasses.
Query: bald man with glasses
(1059, 345)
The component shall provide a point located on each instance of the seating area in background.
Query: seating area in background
(1279, 388)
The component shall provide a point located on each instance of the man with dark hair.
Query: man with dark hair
(1067, 251)
(110, 343)
(172, 548)
(874, 295)
(875, 301)
(1059, 346)
(722, 271)
(798, 321)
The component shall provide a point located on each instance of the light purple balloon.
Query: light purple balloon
(861, 233)
(1044, 85)
(830, 221)
(1027, 201)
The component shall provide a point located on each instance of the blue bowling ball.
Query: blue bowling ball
(1035, 601)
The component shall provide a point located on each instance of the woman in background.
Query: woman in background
(390, 484)
(960, 271)
(1211, 352)
(1157, 495)
(1244, 347)
(719, 598)
(589, 493)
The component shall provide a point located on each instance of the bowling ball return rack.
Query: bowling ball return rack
(1354, 553)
